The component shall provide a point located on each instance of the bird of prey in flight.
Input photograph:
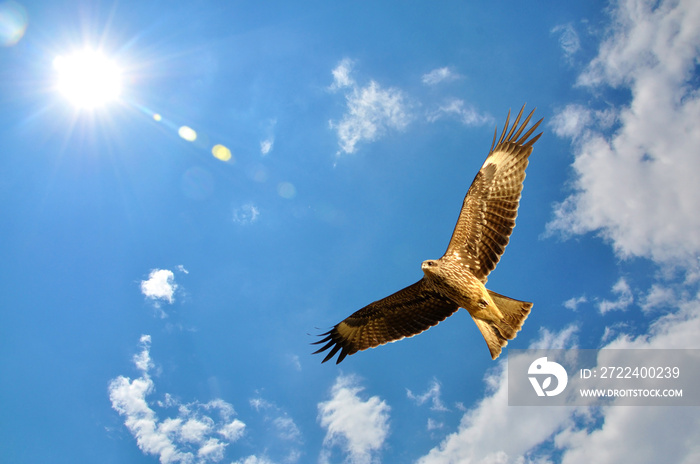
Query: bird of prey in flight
(458, 278)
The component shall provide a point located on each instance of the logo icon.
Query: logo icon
(540, 367)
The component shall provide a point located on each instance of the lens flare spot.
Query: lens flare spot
(257, 172)
(187, 133)
(221, 152)
(13, 23)
(157, 117)
(246, 214)
(87, 78)
(286, 190)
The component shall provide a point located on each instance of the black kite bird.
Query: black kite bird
(457, 279)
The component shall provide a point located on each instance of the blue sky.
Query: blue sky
(159, 302)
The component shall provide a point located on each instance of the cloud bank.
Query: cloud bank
(636, 186)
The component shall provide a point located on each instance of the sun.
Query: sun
(88, 79)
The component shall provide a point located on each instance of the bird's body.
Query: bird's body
(458, 278)
(452, 279)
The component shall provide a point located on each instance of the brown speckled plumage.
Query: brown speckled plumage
(457, 279)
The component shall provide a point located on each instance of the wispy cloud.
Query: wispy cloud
(280, 425)
(286, 428)
(624, 298)
(432, 395)
(573, 303)
(341, 75)
(568, 39)
(637, 186)
(360, 427)
(253, 459)
(268, 142)
(288, 439)
(439, 75)
(259, 404)
(457, 109)
(194, 434)
(434, 425)
(613, 331)
(371, 110)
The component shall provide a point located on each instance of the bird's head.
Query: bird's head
(430, 266)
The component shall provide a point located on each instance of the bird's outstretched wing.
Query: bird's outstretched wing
(406, 313)
(491, 204)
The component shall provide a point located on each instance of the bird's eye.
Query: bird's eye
(483, 303)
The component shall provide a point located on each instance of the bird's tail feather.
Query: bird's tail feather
(498, 333)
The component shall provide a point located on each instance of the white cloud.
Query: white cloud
(287, 429)
(371, 110)
(195, 429)
(439, 75)
(637, 186)
(142, 360)
(565, 338)
(659, 296)
(574, 121)
(260, 404)
(189, 437)
(284, 425)
(160, 285)
(268, 142)
(266, 145)
(568, 39)
(432, 395)
(253, 459)
(434, 425)
(281, 426)
(573, 303)
(624, 298)
(613, 331)
(233, 430)
(212, 450)
(341, 75)
(360, 427)
(571, 121)
(458, 109)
